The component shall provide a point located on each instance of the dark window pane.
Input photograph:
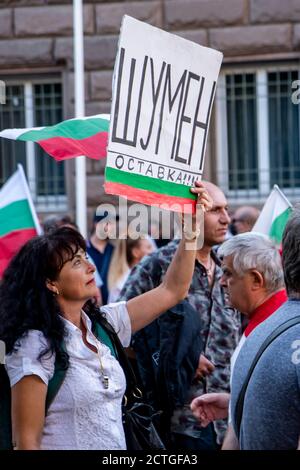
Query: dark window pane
(242, 131)
(12, 115)
(283, 130)
(48, 111)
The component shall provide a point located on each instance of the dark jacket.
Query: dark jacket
(219, 330)
(167, 353)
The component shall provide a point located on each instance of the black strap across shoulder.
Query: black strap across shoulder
(131, 381)
(240, 401)
(106, 334)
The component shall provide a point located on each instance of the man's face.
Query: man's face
(241, 226)
(216, 221)
(237, 287)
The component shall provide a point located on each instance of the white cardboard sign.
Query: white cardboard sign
(163, 94)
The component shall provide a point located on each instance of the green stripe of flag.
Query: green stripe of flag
(147, 183)
(15, 216)
(278, 225)
(75, 129)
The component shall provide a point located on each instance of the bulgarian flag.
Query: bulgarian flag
(68, 139)
(18, 219)
(274, 215)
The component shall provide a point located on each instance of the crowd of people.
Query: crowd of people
(193, 322)
(48, 321)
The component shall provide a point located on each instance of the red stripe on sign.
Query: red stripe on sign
(62, 148)
(176, 204)
(11, 243)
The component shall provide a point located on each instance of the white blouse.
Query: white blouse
(83, 415)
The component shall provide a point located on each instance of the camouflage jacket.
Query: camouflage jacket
(221, 328)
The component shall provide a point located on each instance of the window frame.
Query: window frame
(256, 196)
(49, 203)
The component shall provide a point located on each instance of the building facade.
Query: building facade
(254, 136)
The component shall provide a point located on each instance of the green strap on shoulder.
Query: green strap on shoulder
(103, 336)
(60, 370)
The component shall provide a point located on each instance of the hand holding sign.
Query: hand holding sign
(192, 226)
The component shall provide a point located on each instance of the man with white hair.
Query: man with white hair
(253, 278)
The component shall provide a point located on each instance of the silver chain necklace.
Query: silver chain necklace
(104, 377)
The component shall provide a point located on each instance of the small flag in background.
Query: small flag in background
(274, 215)
(18, 219)
(68, 139)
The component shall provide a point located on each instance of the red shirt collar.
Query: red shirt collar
(263, 311)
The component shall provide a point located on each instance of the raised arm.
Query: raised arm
(147, 307)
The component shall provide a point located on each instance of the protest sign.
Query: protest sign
(163, 93)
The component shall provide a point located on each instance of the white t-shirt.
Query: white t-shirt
(83, 415)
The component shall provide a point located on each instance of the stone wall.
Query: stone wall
(37, 35)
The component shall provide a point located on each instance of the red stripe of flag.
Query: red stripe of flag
(179, 204)
(62, 148)
(11, 243)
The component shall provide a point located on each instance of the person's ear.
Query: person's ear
(52, 287)
(135, 252)
(258, 280)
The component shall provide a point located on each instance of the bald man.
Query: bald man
(244, 219)
(171, 372)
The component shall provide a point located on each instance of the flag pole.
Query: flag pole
(80, 163)
(276, 187)
(30, 201)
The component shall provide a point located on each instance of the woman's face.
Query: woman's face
(76, 279)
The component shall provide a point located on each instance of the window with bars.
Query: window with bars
(32, 104)
(258, 132)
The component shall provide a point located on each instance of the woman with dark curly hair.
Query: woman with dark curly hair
(45, 301)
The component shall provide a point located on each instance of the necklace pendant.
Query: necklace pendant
(105, 381)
